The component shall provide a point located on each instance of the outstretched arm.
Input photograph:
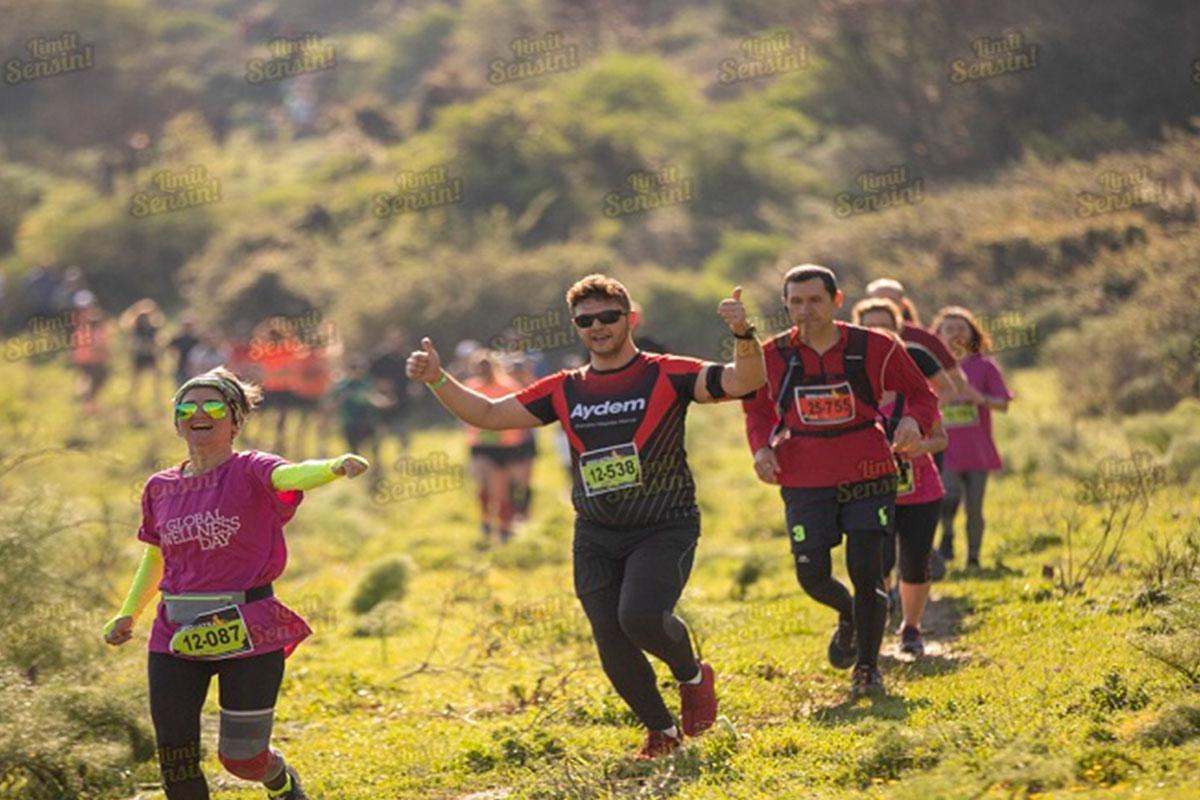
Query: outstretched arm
(119, 629)
(473, 408)
(317, 472)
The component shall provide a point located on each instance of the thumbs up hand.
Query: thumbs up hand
(424, 364)
(733, 312)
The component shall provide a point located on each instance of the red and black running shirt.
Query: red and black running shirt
(625, 428)
(834, 437)
(912, 333)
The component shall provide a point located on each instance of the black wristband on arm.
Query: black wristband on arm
(712, 381)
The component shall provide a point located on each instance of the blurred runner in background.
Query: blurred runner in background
(143, 321)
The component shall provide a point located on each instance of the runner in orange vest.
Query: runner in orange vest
(494, 454)
(311, 388)
(275, 354)
(89, 349)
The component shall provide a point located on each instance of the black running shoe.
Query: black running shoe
(911, 642)
(866, 682)
(842, 647)
(294, 792)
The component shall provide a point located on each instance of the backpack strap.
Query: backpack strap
(855, 359)
(793, 374)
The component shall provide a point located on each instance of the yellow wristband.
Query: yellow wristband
(440, 382)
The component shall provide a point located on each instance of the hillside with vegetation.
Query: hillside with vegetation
(452, 166)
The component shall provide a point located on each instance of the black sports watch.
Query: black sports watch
(749, 334)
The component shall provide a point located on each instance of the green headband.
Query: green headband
(232, 393)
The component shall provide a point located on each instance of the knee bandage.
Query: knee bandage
(244, 744)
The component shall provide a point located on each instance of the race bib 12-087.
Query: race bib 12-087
(216, 634)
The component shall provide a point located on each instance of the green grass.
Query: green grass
(490, 680)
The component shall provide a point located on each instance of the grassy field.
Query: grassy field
(482, 681)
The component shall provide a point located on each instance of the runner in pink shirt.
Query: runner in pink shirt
(919, 489)
(213, 526)
(972, 452)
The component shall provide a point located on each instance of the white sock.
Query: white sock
(672, 731)
(696, 680)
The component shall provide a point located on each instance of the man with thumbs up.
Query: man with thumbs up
(637, 522)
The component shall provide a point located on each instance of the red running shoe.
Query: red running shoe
(657, 745)
(699, 710)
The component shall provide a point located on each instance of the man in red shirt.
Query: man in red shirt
(815, 430)
(637, 522)
(913, 332)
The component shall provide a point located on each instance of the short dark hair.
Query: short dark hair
(600, 286)
(805, 272)
(863, 307)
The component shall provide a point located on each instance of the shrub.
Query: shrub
(1173, 725)
(387, 580)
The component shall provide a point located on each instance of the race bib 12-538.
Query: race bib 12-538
(608, 469)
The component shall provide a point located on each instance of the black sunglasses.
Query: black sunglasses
(606, 318)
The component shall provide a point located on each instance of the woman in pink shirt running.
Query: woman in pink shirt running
(213, 528)
(972, 452)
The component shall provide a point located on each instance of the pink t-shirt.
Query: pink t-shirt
(223, 531)
(970, 426)
(925, 485)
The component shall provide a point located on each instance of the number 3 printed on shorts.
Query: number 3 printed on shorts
(883, 516)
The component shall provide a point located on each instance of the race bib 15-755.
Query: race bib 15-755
(831, 404)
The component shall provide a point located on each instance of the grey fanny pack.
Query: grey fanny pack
(184, 608)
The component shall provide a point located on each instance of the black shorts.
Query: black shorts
(665, 553)
(498, 454)
(276, 399)
(527, 449)
(144, 361)
(97, 373)
(816, 518)
(306, 402)
(356, 434)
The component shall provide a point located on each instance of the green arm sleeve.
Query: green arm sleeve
(310, 474)
(143, 588)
